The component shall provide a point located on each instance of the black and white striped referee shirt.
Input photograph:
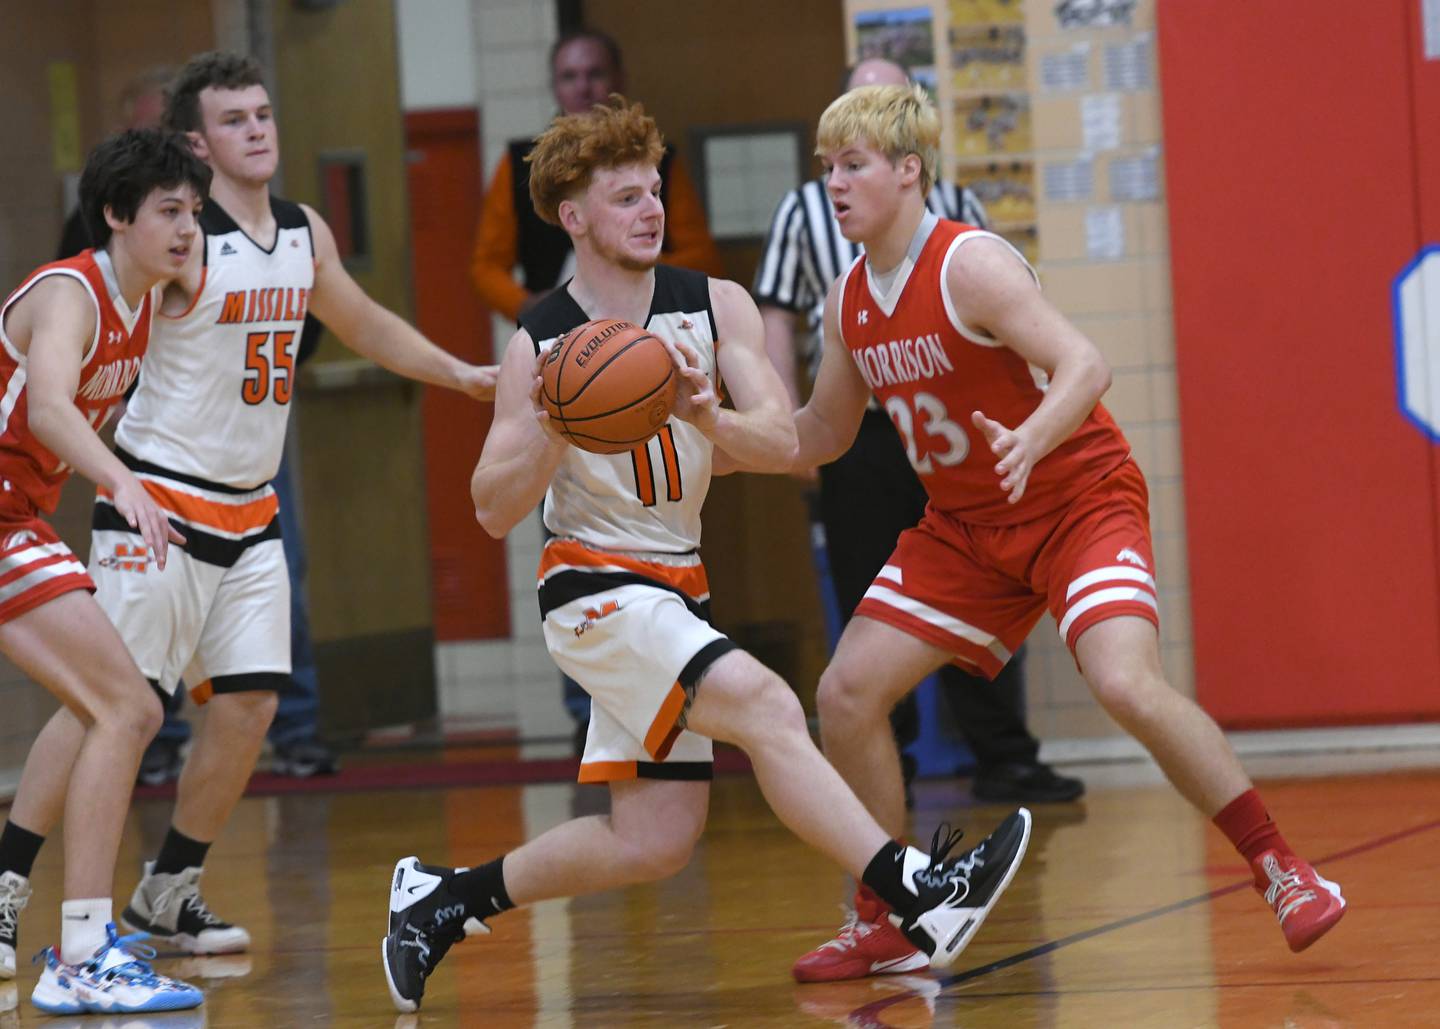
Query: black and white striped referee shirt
(805, 252)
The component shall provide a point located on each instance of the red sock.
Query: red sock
(1249, 827)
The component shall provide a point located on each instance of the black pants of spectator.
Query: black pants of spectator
(867, 499)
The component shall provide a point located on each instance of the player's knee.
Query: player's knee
(663, 854)
(775, 709)
(841, 698)
(1127, 693)
(149, 715)
(136, 714)
(251, 711)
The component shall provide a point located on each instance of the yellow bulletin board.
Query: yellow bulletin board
(64, 116)
(971, 55)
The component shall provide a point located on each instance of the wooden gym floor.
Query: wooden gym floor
(1129, 911)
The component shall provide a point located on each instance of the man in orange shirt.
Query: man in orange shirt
(585, 68)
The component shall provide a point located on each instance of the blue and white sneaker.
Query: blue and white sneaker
(118, 980)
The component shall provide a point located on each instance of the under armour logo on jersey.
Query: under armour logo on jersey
(863, 317)
(294, 242)
(114, 336)
(226, 250)
(1126, 554)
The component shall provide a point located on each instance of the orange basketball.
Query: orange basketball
(608, 386)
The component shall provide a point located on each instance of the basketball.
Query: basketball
(608, 385)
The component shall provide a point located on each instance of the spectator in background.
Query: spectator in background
(586, 66)
(142, 102)
(871, 494)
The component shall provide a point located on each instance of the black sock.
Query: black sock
(179, 852)
(482, 890)
(18, 848)
(884, 875)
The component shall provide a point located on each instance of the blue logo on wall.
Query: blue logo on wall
(1416, 300)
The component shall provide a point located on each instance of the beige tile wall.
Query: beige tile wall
(509, 683)
(1124, 306)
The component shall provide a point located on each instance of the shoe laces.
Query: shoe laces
(852, 931)
(937, 873)
(14, 895)
(434, 937)
(184, 890)
(1287, 891)
(134, 971)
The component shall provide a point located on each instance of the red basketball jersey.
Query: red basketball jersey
(111, 363)
(929, 371)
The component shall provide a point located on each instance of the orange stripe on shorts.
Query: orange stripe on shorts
(236, 518)
(663, 730)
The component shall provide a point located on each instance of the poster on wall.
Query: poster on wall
(988, 58)
(1007, 189)
(987, 12)
(997, 124)
(905, 36)
(1093, 14)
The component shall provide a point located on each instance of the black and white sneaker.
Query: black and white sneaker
(14, 895)
(953, 895)
(425, 921)
(169, 907)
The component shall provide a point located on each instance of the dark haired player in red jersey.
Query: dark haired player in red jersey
(71, 339)
(1035, 503)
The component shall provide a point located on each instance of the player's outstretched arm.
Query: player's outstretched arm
(759, 434)
(521, 451)
(383, 336)
(58, 318)
(994, 293)
(827, 424)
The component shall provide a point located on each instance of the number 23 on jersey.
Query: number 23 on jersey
(944, 442)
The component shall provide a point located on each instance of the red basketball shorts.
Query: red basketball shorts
(35, 566)
(977, 591)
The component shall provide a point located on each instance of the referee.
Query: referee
(871, 495)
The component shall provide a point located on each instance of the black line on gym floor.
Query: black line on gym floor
(861, 1014)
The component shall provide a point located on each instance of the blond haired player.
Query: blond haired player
(1035, 501)
(203, 433)
(624, 597)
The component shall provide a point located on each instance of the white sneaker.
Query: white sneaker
(117, 980)
(170, 908)
(14, 895)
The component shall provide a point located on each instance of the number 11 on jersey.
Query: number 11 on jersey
(645, 470)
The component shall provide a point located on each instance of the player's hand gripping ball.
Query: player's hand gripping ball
(608, 386)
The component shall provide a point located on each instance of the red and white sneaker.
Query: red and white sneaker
(1306, 904)
(859, 949)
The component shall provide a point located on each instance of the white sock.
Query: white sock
(82, 928)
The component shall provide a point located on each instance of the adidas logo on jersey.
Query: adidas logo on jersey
(226, 250)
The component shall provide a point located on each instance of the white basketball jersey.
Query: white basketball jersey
(215, 387)
(648, 499)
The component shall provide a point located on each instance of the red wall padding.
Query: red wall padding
(1302, 146)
